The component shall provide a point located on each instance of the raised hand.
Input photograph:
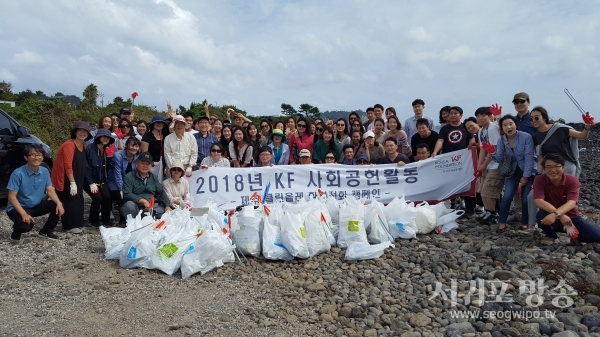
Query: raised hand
(588, 119)
(496, 110)
(170, 112)
(488, 147)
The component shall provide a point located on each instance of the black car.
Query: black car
(13, 139)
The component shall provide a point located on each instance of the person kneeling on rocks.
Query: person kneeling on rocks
(26, 188)
(140, 186)
(556, 195)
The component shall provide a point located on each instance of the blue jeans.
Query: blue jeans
(588, 232)
(510, 189)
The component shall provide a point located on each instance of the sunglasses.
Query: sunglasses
(125, 126)
(362, 161)
(264, 126)
(341, 124)
(519, 101)
(302, 126)
(176, 169)
(215, 150)
(329, 158)
(320, 129)
(534, 118)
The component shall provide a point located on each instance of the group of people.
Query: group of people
(141, 166)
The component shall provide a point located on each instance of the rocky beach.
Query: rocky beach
(66, 288)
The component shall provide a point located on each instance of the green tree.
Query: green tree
(309, 111)
(6, 90)
(90, 96)
(287, 109)
(58, 94)
(23, 96)
(40, 93)
(181, 109)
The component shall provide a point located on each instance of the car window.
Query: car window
(5, 124)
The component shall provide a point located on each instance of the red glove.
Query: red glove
(572, 231)
(496, 110)
(478, 174)
(588, 119)
(488, 147)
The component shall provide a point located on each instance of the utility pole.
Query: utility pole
(101, 99)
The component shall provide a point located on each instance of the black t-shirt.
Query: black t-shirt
(430, 141)
(455, 138)
(400, 157)
(154, 145)
(558, 143)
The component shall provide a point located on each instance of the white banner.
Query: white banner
(431, 179)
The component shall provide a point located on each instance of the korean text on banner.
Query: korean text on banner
(431, 179)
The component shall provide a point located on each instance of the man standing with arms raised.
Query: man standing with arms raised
(410, 126)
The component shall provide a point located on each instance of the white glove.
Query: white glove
(188, 171)
(121, 194)
(93, 188)
(73, 189)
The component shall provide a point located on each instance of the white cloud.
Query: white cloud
(6, 75)
(556, 41)
(420, 34)
(343, 55)
(26, 58)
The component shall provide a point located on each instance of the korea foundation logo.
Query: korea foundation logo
(454, 164)
(531, 295)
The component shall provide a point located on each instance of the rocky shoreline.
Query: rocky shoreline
(66, 288)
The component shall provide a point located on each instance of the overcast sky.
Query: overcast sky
(336, 55)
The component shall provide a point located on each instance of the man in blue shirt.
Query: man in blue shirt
(204, 138)
(521, 102)
(26, 188)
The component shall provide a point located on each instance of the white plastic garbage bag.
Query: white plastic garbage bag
(246, 236)
(206, 253)
(333, 207)
(293, 233)
(425, 220)
(141, 245)
(377, 228)
(114, 238)
(445, 228)
(365, 251)
(352, 223)
(168, 255)
(272, 245)
(401, 219)
(317, 230)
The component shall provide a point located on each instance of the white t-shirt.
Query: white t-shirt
(492, 135)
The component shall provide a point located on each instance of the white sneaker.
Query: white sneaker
(75, 231)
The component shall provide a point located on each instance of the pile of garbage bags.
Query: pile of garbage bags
(197, 241)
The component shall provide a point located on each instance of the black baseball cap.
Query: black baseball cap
(145, 156)
(125, 111)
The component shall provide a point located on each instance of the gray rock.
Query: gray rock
(591, 321)
(545, 329)
(568, 318)
(592, 299)
(504, 275)
(458, 329)
(565, 334)
(419, 320)
(510, 332)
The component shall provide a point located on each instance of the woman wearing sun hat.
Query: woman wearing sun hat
(153, 142)
(96, 176)
(68, 176)
(177, 188)
(281, 151)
